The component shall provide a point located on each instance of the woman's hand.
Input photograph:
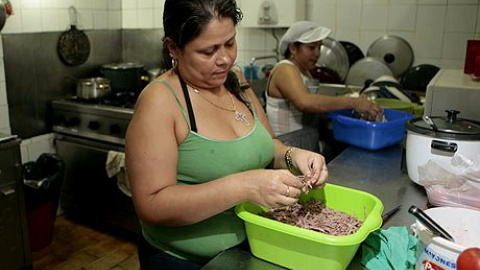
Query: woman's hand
(367, 108)
(274, 188)
(312, 166)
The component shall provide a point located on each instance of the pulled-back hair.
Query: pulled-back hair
(184, 20)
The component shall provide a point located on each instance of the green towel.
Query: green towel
(393, 248)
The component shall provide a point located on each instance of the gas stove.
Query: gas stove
(103, 120)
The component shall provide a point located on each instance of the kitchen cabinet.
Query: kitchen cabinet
(271, 13)
(14, 240)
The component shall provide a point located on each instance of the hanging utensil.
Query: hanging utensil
(429, 223)
(73, 45)
(394, 51)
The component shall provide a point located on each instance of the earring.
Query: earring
(174, 62)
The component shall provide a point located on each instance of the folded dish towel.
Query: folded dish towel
(115, 165)
(393, 248)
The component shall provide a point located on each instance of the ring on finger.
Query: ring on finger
(287, 193)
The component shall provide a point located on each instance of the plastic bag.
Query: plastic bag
(455, 183)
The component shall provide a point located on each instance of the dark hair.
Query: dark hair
(184, 20)
(288, 53)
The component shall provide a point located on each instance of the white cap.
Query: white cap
(304, 32)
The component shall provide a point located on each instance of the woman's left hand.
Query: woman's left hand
(312, 166)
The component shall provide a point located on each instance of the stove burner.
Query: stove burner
(118, 99)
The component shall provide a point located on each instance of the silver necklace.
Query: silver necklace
(239, 116)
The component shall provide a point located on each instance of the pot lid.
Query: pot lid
(449, 127)
(365, 71)
(334, 56)
(353, 51)
(394, 51)
(123, 65)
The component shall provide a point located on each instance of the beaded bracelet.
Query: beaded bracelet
(288, 158)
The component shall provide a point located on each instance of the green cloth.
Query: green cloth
(393, 248)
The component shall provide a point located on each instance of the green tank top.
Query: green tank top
(201, 159)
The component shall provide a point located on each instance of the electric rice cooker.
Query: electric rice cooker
(439, 138)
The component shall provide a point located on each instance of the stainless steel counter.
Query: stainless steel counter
(377, 172)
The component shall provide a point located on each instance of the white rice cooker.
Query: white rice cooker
(439, 138)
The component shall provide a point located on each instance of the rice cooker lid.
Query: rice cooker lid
(449, 127)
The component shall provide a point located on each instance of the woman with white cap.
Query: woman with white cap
(288, 100)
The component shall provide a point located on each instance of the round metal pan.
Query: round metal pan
(353, 51)
(334, 56)
(365, 71)
(417, 78)
(73, 45)
(394, 51)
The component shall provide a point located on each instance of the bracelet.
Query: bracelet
(288, 158)
(244, 86)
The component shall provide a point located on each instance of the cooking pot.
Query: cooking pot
(439, 138)
(93, 88)
(126, 77)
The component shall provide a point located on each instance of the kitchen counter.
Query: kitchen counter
(378, 172)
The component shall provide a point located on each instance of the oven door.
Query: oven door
(87, 192)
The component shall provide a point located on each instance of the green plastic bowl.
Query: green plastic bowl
(395, 104)
(297, 248)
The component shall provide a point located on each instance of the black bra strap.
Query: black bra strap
(191, 116)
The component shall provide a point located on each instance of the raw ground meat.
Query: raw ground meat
(316, 216)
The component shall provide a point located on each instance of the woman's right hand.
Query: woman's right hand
(273, 188)
(367, 108)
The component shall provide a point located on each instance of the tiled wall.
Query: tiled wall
(436, 29)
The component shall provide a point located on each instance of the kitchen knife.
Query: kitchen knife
(429, 223)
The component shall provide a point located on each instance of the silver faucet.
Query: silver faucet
(255, 59)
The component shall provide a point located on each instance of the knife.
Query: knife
(429, 223)
(390, 213)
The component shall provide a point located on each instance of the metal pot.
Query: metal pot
(126, 77)
(439, 138)
(93, 88)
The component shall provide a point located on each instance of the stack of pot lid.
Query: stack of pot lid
(366, 70)
(394, 51)
(450, 127)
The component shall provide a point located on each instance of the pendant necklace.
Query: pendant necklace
(239, 116)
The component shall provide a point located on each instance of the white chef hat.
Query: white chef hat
(304, 32)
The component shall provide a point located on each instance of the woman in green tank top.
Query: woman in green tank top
(199, 143)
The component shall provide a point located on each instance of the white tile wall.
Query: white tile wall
(32, 16)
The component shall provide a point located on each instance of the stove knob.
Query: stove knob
(115, 129)
(72, 122)
(93, 125)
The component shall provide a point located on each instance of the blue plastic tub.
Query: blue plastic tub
(369, 135)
